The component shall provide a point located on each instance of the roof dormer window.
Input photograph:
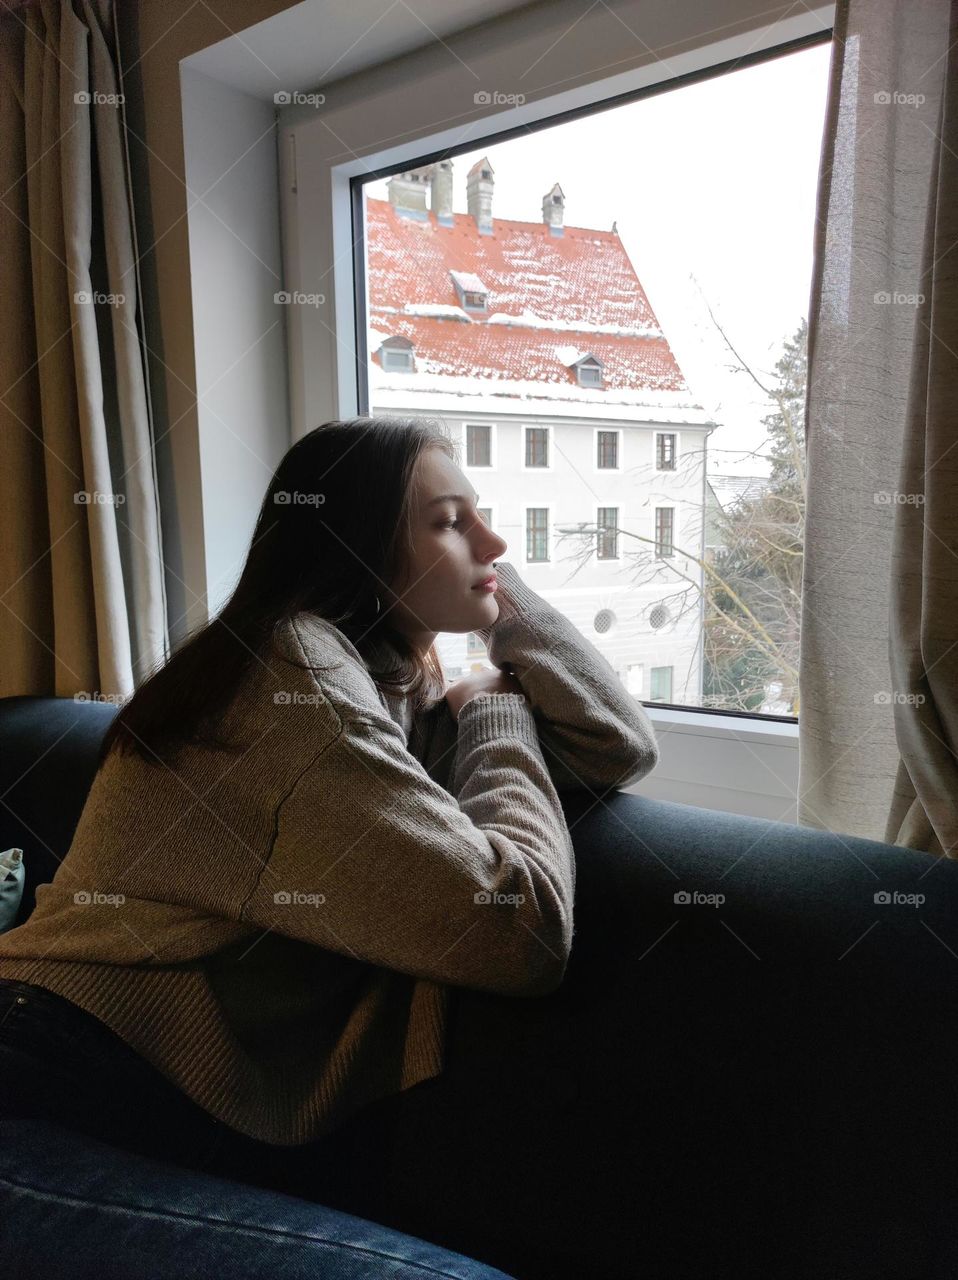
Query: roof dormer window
(589, 372)
(471, 293)
(397, 356)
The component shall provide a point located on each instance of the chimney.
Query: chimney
(440, 193)
(407, 193)
(553, 208)
(479, 183)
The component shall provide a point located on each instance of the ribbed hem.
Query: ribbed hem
(489, 717)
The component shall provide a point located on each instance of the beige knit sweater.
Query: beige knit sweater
(277, 931)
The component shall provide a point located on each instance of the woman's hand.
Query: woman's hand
(489, 681)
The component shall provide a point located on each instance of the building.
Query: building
(536, 345)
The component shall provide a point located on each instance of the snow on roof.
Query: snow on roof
(581, 284)
(468, 282)
(440, 310)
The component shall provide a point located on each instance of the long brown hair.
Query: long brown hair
(334, 528)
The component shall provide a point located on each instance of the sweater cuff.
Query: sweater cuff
(489, 716)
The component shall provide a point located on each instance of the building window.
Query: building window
(590, 373)
(663, 531)
(397, 359)
(537, 533)
(607, 445)
(660, 684)
(486, 514)
(633, 678)
(474, 301)
(537, 446)
(478, 444)
(607, 542)
(665, 451)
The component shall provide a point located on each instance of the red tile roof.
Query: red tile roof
(565, 296)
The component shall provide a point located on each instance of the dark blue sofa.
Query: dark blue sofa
(72, 1207)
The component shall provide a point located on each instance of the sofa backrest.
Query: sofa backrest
(48, 760)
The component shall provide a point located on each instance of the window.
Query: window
(537, 446)
(607, 446)
(663, 531)
(607, 541)
(397, 359)
(537, 533)
(578, 313)
(633, 678)
(660, 684)
(665, 451)
(478, 444)
(486, 513)
(590, 373)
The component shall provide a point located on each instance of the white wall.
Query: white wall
(240, 332)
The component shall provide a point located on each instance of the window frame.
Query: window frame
(324, 246)
(493, 446)
(619, 433)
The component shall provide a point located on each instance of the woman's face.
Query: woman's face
(453, 549)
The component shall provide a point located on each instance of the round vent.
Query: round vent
(604, 620)
(659, 617)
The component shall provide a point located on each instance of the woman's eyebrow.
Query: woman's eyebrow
(450, 497)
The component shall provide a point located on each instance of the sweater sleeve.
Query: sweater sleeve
(374, 859)
(593, 732)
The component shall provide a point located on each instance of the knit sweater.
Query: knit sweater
(277, 931)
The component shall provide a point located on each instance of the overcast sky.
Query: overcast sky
(713, 188)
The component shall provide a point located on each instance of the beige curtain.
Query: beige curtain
(879, 645)
(81, 580)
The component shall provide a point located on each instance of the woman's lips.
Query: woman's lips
(490, 584)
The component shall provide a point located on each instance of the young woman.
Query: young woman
(315, 931)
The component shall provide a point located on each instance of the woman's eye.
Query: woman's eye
(450, 524)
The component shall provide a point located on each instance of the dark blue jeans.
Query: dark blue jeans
(756, 1081)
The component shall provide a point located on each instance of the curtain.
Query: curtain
(879, 643)
(81, 576)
